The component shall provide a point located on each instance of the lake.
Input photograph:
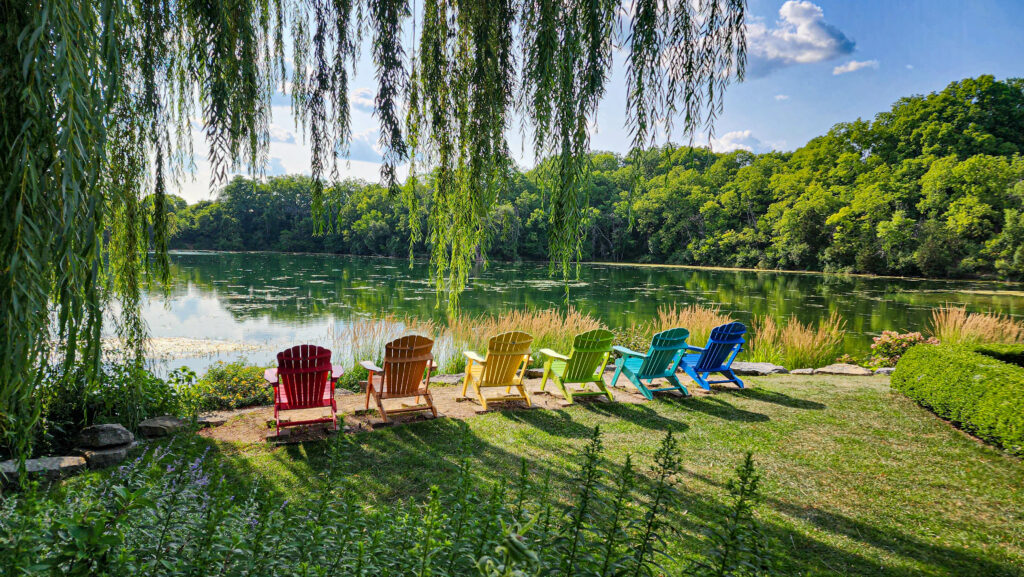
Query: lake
(269, 301)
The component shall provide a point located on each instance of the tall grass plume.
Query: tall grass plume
(953, 324)
(794, 344)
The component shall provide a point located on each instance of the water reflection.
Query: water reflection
(276, 298)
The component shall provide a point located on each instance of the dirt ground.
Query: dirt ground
(255, 425)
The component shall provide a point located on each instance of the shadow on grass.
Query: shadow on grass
(778, 398)
(715, 407)
(641, 415)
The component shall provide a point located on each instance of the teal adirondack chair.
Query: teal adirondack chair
(659, 363)
(583, 366)
(723, 345)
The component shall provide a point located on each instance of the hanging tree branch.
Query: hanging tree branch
(98, 101)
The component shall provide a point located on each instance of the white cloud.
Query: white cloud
(362, 99)
(364, 146)
(738, 140)
(854, 65)
(800, 36)
(278, 134)
(910, 66)
(781, 97)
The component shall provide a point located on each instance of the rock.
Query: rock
(447, 379)
(534, 373)
(49, 467)
(802, 372)
(103, 458)
(885, 371)
(757, 369)
(844, 369)
(160, 426)
(102, 436)
(211, 421)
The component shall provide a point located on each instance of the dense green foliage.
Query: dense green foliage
(173, 512)
(127, 395)
(98, 101)
(232, 386)
(933, 187)
(977, 392)
(1008, 353)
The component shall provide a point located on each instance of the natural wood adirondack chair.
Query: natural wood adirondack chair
(659, 362)
(406, 374)
(584, 365)
(504, 366)
(304, 379)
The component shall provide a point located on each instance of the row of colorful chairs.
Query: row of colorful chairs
(305, 378)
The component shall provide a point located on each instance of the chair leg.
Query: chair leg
(380, 407)
(732, 377)
(480, 395)
(547, 373)
(640, 386)
(565, 389)
(526, 396)
(466, 381)
(697, 378)
(604, 388)
(677, 384)
(430, 403)
(618, 371)
(369, 389)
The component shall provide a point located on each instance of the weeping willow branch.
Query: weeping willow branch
(99, 100)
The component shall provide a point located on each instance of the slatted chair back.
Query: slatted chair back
(664, 352)
(405, 363)
(723, 344)
(505, 353)
(304, 371)
(589, 351)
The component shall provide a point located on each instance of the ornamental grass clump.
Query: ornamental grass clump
(179, 510)
(952, 324)
(697, 319)
(794, 344)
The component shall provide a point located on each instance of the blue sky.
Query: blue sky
(813, 63)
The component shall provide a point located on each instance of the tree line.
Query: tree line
(934, 187)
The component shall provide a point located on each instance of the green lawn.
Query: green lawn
(857, 480)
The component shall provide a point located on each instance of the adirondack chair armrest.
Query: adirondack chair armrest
(368, 365)
(270, 375)
(627, 352)
(474, 357)
(693, 348)
(336, 372)
(553, 354)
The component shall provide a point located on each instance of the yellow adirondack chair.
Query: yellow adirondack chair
(504, 366)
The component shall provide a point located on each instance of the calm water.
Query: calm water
(273, 300)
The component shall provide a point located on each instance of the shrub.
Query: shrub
(977, 392)
(1008, 353)
(954, 325)
(891, 345)
(122, 393)
(173, 512)
(233, 386)
(794, 344)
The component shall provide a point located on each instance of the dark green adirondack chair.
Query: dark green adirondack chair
(659, 363)
(583, 366)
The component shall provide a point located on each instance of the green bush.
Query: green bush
(120, 393)
(233, 386)
(1008, 353)
(977, 392)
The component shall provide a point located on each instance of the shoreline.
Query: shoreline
(422, 260)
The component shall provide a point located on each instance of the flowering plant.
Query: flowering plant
(891, 345)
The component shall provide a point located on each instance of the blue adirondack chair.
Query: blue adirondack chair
(660, 362)
(723, 345)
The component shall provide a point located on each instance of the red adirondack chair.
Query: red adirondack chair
(304, 379)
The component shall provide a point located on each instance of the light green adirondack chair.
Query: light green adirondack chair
(583, 366)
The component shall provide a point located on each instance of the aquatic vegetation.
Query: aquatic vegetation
(953, 324)
(796, 345)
